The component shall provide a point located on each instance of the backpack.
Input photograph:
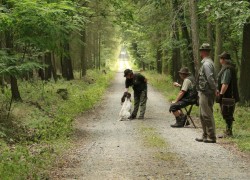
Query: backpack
(192, 94)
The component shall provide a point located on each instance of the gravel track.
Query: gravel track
(109, 149)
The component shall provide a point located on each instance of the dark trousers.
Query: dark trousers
(140, 100)
(228, 115)
(178, 106)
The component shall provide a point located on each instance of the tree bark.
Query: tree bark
(55, 77)
(159, 60)
(210, 36)
(186, 36)
(99, 50)
(13, 81)
(245, 64)
(176, 55)
(83, 53)
(48, 68)
(164, 62)
(195, 33)
(218, 47)
(66, 63)
(14, 89)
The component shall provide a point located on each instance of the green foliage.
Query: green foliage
(42, 24)
(16, 65)
(39, 128)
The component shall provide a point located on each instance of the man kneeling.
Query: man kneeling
(187, 95)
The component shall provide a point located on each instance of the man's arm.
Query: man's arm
(180, 95)
(223, 88)
(225, 81)
(126, 85)
(208, 70)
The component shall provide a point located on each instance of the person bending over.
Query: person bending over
(139, 84)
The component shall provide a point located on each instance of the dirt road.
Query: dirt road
(144, 149)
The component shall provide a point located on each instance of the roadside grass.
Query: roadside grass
(241, 127)
(151, 138)
(39, 128)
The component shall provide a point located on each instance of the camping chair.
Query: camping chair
(188, 109)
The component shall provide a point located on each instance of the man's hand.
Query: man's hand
(176, 84)
(219, 98)
(217, 93)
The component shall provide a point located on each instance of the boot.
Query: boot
(132, 117)
(229, 132)
(184, 119)
(179, 123)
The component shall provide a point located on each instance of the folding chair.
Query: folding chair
(188, 114)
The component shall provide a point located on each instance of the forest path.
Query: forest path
(143, 149)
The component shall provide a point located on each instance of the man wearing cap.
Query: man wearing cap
(227, 88)
(207, 90)
(184, 98)
(139, 85)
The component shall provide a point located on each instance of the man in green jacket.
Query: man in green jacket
(139, 84)
(207, 91)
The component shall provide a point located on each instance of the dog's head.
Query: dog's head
(125, 95)
(128, 95)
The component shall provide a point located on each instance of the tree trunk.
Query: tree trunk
(175, 63)
(48, 68)
(13, 81)
(83, 53)
(14, 89)
(195, 33)
(186, 36)
(159, 60)
(164, 62)
(67, 69)
(2, 46)
(210, 36)
(53, 65)
(218, 47)
(99, 50)
(245, 64)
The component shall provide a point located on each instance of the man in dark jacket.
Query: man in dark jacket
(227, 88)
(139, 84)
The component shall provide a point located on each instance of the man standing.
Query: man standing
(186, 96)
(139, 84)
(207, 90)
(227, 88)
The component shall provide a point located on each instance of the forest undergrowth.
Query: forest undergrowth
(35, 131)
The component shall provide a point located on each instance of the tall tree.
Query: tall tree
(218, 46)
(245, 64)
(195, 33)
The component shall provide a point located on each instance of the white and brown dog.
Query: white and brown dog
(126, 110)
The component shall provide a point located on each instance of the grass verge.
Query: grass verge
(39, 128)
(241, 128)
